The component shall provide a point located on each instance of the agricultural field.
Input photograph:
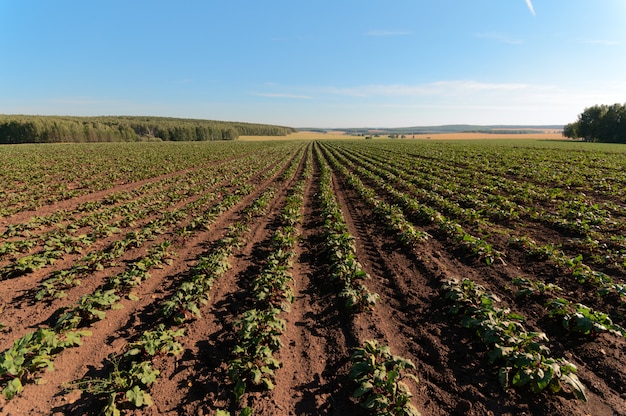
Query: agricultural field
(313, 277)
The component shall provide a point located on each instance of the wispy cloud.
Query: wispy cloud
(282, 95)
(388, 33)
(604, 42)
(427, 89)
(432, 89)
(529, 3)
(499, 37)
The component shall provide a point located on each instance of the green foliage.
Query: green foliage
(132, 372)
(529, 287)
(600, 123)
(258, 336)
(340, 249)
(582, 319)
(90, 308)
(524, 356)
(33, 352)
(379, 375)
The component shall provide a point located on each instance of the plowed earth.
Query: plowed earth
(455, 375)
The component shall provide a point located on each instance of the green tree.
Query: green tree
(600, 123)
(571, 131)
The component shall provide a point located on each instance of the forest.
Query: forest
(16, 129)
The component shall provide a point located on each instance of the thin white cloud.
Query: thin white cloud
(499, 37)
(529, 3)
(428, 89)
(388, 33)
(281, 95)
(604, 42)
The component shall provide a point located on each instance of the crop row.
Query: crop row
(258, 330)
(426, 214)
(63, 279)
(25, 357)
(379, 375)
(41, 175)
(460, 193)
(344, 266)
(59, 242)
(184, 304)
(524, 355)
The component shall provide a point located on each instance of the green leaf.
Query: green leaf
(376, 401)
(111, 408)
(239, 389)
(256, 375)
(541, 379)
(579, 388)
(13, 387)
(133, 351)
(268, 384)
(138, 397)
(364, 388)
(246, 411)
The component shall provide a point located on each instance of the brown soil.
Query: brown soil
(455, 375)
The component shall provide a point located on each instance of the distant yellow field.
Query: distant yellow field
(308, 135)
(472, 136)
(302, 135)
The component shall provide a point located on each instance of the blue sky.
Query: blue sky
(366, 63)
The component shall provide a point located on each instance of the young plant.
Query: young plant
(524, 356)
(31, 353)
(582, 319)
(529, 287)
(380, 376)
(132, 372)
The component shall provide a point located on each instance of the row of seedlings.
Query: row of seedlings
(60, 242)
(37, 350)
(194, 292)
(258, 329)
(175, 182)
(378, 373)
(595, 224)
(524, 355)
(425, 214)
(44, 173)
(577, 317)
(344, 266)
(64, 279)
(391, 214)
(132, 371)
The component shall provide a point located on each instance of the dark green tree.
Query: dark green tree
(599, 123)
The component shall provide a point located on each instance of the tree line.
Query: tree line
(55, 129)
(600, 123)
